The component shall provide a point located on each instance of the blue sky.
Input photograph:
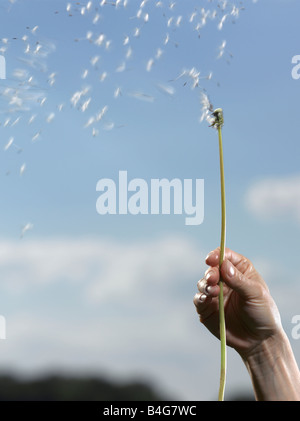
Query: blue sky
(113, 294)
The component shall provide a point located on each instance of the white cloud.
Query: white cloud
(133, 312)
(275, 197)
(103, 268)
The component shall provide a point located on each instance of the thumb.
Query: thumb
(237, 280)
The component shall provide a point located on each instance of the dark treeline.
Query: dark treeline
(62, 388)
(71, 388)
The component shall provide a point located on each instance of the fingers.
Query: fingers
(212, 259)
(234, 270)
(209, 284)
(236, 280)
(205, 300)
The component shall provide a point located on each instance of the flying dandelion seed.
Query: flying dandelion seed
(35, 137)
(50, 117)
(22, 169)
(26, 228)
(119, 60)
(9, 143)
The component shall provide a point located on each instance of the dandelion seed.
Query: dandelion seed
(50, 117)
(43, 100)
(121, 68)
(89, 5)
(84, 74)
(95, 132)
(96, 18)
(85, 105)
(166, 89)
(31, 119)
(6, 122)
(128, 53)
(142, 96)
(193, 15)
(68, 7)
(146, 17)
(166, 40)
(169, 22)
(221, 49)
(33, 31)
(100, 39)
(221, 23)
(37, 49)
(90, 121)
(89, 35)
(149, 64)
(136, 32)
(109, 126)
(15, 122)
(159, 53)
(178, 21)
(94, 60)
(117, 92)
(126, 40)
(103, 76)
(26, 228)
(206, 109)
(101, 113)
(22, 169)
(60, 107)
(36, 136)
(9, 143)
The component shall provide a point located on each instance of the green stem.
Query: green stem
(222, 254)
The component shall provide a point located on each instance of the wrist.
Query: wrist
(267, 350)
(273, 369)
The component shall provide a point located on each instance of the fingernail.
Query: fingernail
(208, 275)
(209, 254)
(231, 270)
(208, 289)
(202, 298)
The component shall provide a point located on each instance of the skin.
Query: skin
(253, 326)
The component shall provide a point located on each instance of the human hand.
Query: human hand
(250, 312)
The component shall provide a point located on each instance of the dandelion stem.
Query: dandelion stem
(222, 254)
